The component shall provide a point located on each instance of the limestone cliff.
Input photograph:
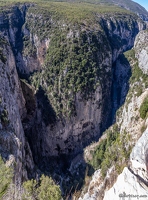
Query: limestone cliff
(14, 148)
(62, 80)
(142, 50)
(87, 115)
(133, 179)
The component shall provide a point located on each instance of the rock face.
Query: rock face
(13, 144)
(142, 50)
(68, 136)
(133, 180)
(133, 6)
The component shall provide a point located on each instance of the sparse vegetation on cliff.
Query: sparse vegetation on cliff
(6, 175)
(73, 61)
(137, 74)
(4, 117)
(138, 80)
(45, 189)
(144, 109)
(2, 56)
(114, 150)
(71, 66)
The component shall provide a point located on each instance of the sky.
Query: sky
(143, 3)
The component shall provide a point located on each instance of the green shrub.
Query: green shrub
(114, 150)
(30, 189)
(2, 56)
(48, 189)
(45, 189)
(144, 108)
(143, 128)
(4, 117)
(6, 175)
(137, 73)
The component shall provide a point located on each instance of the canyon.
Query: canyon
(63, 81)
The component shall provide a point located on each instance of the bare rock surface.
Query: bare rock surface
(133, 180)
(141, 50)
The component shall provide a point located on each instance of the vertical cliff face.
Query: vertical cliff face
(131, 120)
(136, 124)
(13, 146)
(141, 50)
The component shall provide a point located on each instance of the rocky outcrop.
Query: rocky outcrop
(141, 50)
(134, 180)
(132, 6)
(134, 176)
(118, 33)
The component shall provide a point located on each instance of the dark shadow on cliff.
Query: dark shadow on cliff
(68, 170)
(121, 73)
(120, 85)
(70, 174)
(48, 113)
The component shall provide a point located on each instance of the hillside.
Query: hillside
(126, 4)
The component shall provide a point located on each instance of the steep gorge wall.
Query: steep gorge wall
(14, 148)
(48, 134)
(93, 114)
(133, 178)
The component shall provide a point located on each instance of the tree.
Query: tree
(144, 108)
(6, 175)
(48, 189)
(30, 190)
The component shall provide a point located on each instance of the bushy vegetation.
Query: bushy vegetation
(75, 52)
(144, 108)
(132, 5)
(45, 189)
(137, 74)
(71, 67)
(6, 175)
(113, 150)
(29, 47)
(72, 11)
(138, 79)
(2, 56)
(4, 117)
(77, 47)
